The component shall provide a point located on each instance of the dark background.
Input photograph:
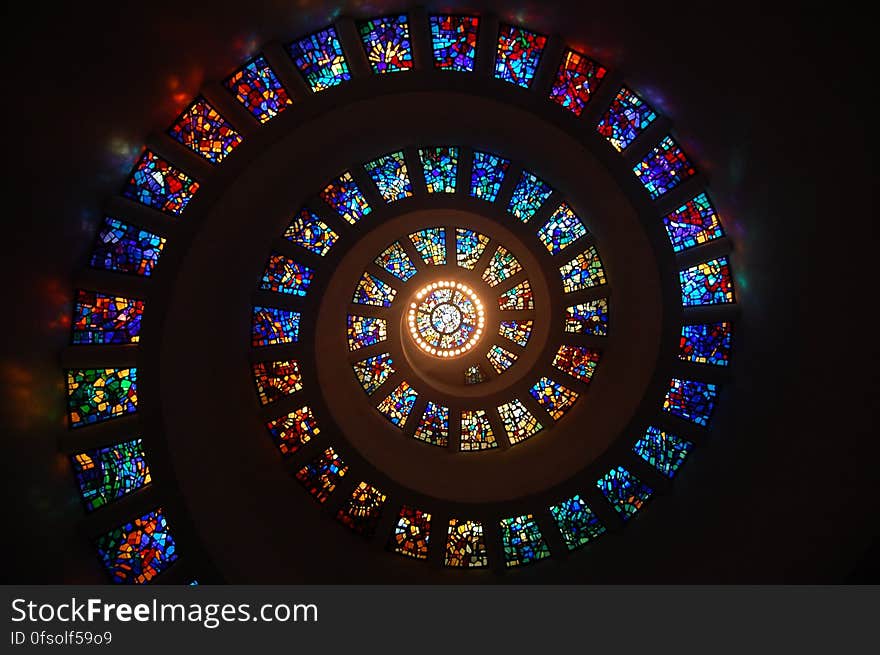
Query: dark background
(774, 103)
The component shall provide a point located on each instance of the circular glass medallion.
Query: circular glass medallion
(446, 319)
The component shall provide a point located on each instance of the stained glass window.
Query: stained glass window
(624, 491)
(398, 404)
(310, 232)
(528, 196)
(431, 244)
(664, 451)
(518, 421)
(362, 511)
(465, 544)
(522, 541)
(476, 431)
(107, 474)
(100, 394)
(582, 272)
(577, 523)
(100, 319)
(577, 361)
(387, 44)
(517, 331)
(664, 168)
(588, 318)
(454, 40)
(293, 430)
(694, 223)
(487, 175)
(518, 54)
(138, 551)
(283, 275)
(561, 230)
(474, 374)
(390, 176)
(371, 290)
(555, 398)
(502, 266)
(273, 326)
(519, 297)
(440, 167)
(395, 260)
(412, 533)
(320, 59)
(706, 343)
(576, 81)
(373, 371)
(204, 131)
(322, 474)
(124, 248)
(275, 380)
(625, 119)
(707, 283)
(691, 400)
(433, 427)
(256, 87)
(157, 184)
(346, 198)
(469, 247)
(500, 358)
(365, 331)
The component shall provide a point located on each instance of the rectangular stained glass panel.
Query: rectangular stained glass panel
(578, 361)
(256, 86)
(387, 43)
(107, 474)
(431, 245)
(518, 421)
(553, 397)
(626, 493)
(390, 176)
(694, 223)
(283, 275)
(95, 395)
(363, 509)
(137, 551)
(292, 431)
(433, 427)
(412, 533)
(707, 283)
(487, 175)
(204, 131)
(364, 331)
(154, 182)
(664, 168)
(373, 371)
(706, 343)
(582, 272)
(465, 545)
(517, 55)
(528, 196)
(310, 232)
(125, 248)
(522, 541)
(321, 476)
(664, 451)
(577, 523)
(398, 405)
(345, 197)
(454, 41)
(440, 168)
(320, 59)
(476, 431)
(272, 326)
(576, 81)
(102, 319)
(276, 380)
(625, 119)
(588, 318)
(395, 260)
(561, 229)
(691, 400)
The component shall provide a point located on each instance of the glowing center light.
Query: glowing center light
(446, 319)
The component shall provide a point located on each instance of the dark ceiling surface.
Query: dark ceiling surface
(774, 105)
